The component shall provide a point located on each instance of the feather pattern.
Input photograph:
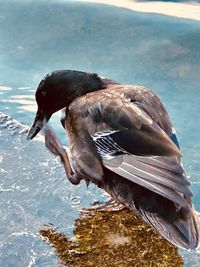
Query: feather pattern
(160, 182)
(105, 145)
(177, 232)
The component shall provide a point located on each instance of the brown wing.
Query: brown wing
(116, 125)
(148, 101)
(141, 97)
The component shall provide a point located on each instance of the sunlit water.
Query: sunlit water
(37, 37)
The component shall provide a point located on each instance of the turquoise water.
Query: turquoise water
(156, 51)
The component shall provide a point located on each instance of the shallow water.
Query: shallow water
(34, 192)
(37, 37)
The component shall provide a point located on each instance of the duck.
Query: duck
(121, 138)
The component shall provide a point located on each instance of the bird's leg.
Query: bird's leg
(55, 147)
(74, 178)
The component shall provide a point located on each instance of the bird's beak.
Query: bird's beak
(41, 118)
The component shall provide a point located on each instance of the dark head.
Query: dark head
(57, 90)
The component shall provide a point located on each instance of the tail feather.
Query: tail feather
(184, 232)
(177, 224)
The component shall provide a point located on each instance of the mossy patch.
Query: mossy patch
(112, 238)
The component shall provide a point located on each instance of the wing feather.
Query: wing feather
(125, 124)
(183, 232)
(132, 132)
(161, 185)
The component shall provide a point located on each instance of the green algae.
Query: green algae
(112, 238)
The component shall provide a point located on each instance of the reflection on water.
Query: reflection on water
(188, 10)
(107, 238)
(18, 99)
(5, 88)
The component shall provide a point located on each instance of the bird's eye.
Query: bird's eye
(44, 93)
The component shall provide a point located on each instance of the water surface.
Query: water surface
(38, 37)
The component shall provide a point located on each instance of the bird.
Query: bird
(121, 138)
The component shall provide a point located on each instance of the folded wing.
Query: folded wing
(134, 137)
(127, 133)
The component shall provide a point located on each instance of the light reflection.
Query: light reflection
(22, 97)
(180, 10)
(25, 88)
(21, 101)
(5, 88)
(31, 108)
